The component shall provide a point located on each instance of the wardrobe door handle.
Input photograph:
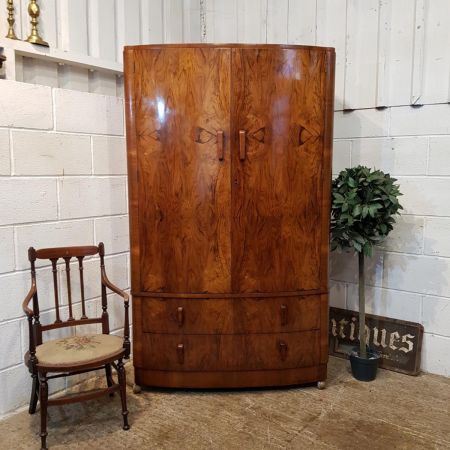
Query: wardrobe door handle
(283, 348)
(284, 315)
(242, 145)
(220, 149)
(180, 316)
(180, 353)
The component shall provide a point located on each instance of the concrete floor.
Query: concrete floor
(394, 412)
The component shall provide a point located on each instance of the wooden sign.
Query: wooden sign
(399, 342)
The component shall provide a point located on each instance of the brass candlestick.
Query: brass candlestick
(10, 7)
(33, 11)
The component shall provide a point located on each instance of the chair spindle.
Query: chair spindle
(105, 317)
(55, 287)
(69, 292)
(83, 306)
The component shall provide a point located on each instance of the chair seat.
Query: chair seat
(78, 350)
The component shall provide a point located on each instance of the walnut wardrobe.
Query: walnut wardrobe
(229, 169)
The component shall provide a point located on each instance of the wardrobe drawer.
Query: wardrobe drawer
(231, 315)
(231, 352)
(203, 316)
(277, 314)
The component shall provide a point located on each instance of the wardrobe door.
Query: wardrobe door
(279, 169)
(181, 239)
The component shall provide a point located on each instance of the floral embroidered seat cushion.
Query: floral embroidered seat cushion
(78, 350)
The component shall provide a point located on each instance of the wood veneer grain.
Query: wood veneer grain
(229, 156)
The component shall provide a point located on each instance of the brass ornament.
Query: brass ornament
(34, 37)
(11, 20)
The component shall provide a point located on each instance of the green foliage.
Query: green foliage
(363, 207)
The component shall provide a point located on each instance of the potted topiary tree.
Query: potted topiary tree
(363, 207)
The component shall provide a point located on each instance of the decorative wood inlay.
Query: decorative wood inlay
(184, 188)
(304, 135)
(277, 193)
(259, 135)
(229, 212)
(203, 136)
(155, 135)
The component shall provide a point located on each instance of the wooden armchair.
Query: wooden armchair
(75, 354)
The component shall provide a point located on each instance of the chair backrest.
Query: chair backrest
(66, 254)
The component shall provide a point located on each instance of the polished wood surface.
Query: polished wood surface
(230, 379)
(277, 182)
(230, 316)
(183, 157)
(229, 160)
(265, 351)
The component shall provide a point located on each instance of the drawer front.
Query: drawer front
(204, 316)
(279, 314)
(231, 352)
(231, 315)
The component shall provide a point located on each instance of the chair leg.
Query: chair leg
(123, 393)
(34, 393)
(43, 397)
(109, 379)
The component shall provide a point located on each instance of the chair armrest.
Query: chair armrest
(126, 300)
(112, 287)
(26, 309)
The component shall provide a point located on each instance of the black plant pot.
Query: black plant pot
(364, 369)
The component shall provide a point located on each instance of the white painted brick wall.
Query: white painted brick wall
(344, 267)
(435, 354)
(427, 196)
(398, 156)
(27, 200)
(435, 315)
(14, 388)
(338, 294)
(439, 159)
(38, 153)
(12, 353)
(7, 249)
(341, 155)
(24, 105)
(109, 155)
(410, 226)
(60, 184)
(361, 123)
(113, 232)
(387, 302)
(93, 196)
(83, 112)
(409, 276)
(63, 233)
(5, 159)
(437, 236)
(428, 119)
